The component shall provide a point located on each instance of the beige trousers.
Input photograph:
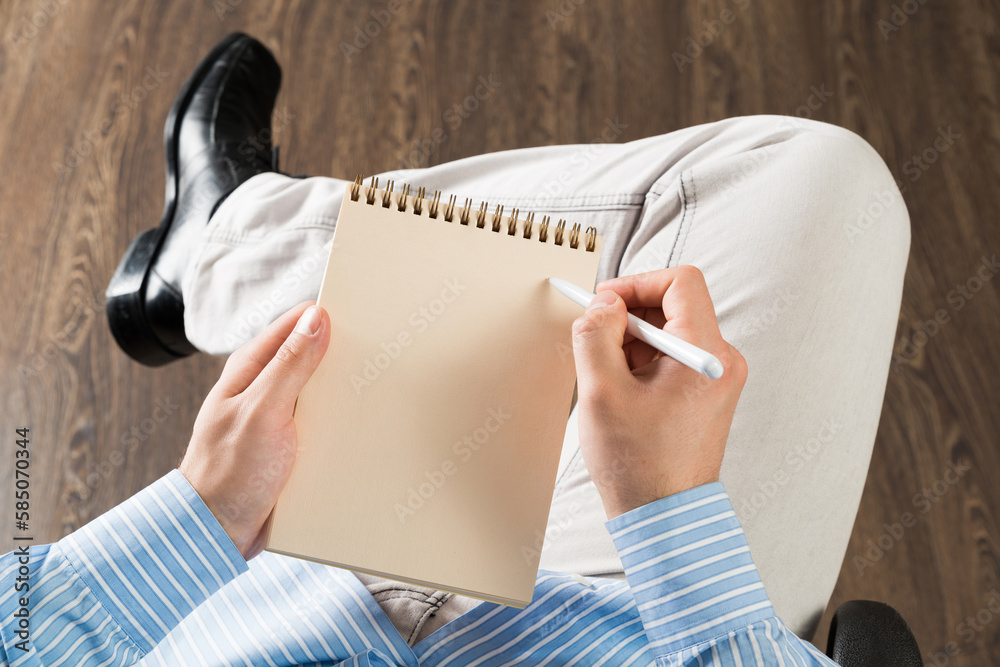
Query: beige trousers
(803, 237)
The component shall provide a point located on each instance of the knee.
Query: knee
(840, 171)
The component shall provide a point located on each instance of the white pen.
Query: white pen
(683, 351)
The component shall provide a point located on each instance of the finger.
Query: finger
(682, 295)
(246, 363)
(598, 335)
(280, 382)
(652, 315)
(639, 353)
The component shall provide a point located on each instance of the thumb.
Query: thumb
(598, 336)
(280, 382)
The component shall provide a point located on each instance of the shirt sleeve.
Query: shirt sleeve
(109, 592)
(697, 590)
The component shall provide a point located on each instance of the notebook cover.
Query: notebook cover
(430, 435)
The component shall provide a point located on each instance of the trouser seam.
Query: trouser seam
(242, 238)
(432, 609)
(565, 473)
(687, 213)
(401, 592)
(614, 201)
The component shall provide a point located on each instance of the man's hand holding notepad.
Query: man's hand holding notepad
(440, 406)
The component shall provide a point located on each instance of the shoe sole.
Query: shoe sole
(123, 301)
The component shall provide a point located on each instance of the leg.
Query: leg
(809, 291)
(782, 191)
(250, 265)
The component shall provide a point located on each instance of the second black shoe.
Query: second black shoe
(217, 136)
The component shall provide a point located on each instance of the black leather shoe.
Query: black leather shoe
(217, 136)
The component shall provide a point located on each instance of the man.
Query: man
(642, 562)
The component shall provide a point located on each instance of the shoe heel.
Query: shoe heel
(124, 305)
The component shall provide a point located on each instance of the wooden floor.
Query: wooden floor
(86, 86)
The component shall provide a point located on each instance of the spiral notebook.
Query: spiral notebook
(430, 435)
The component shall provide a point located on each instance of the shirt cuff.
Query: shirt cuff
(688, 565)
(154, 558)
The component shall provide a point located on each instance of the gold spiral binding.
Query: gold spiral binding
(432, 211)
(512, 222)
(450, 208)
(401, 199)
(418, 201)
(529, 220)
(574, 235)
(434, 204)
(481, 216)
(560, 227)
(497, 216)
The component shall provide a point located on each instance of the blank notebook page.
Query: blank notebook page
(430, 434)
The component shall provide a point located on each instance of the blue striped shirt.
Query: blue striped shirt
(156, 580)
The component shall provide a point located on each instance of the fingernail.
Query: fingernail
(309, 321)
(606, 298)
